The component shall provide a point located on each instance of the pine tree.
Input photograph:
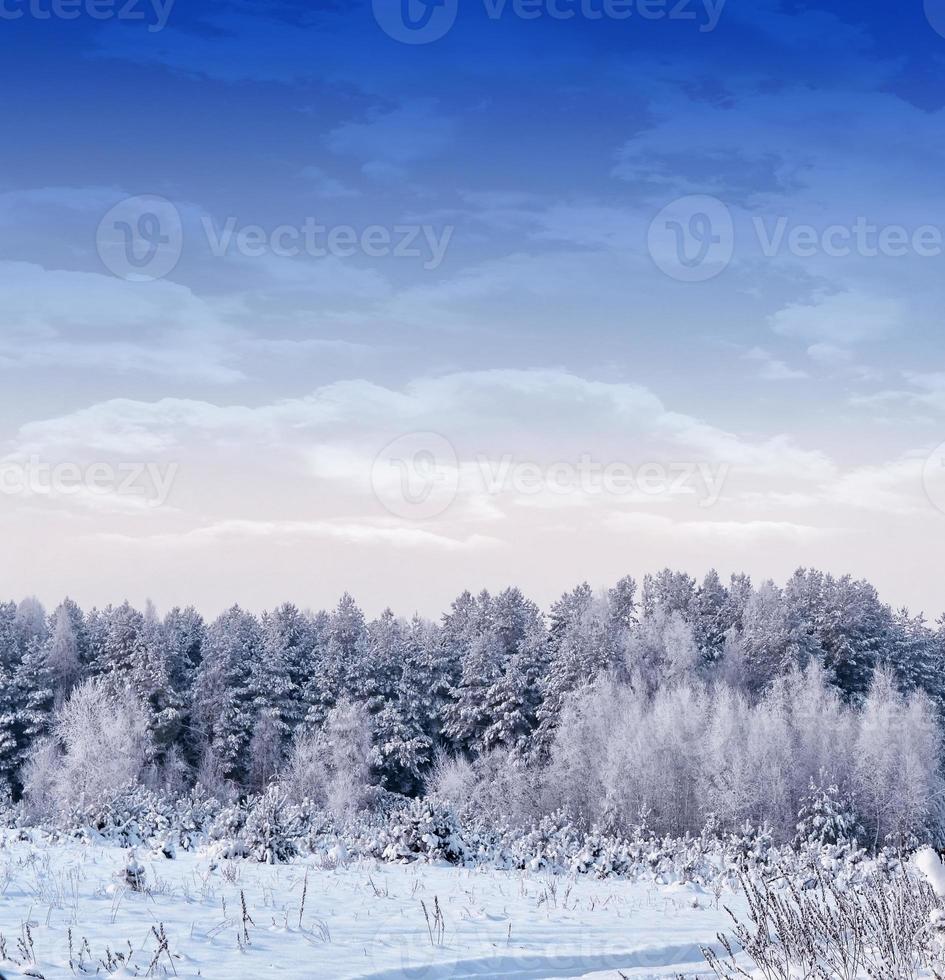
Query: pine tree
(670, 591)
(127, 649)
(222, 705)
(580, 648)
(9, 713)
(183, 632)
(30, 624)
(710, 617)
(855, 629)
(911, 653)
(282, 670)
(338, 656)
(9, 638)
(35, 688)
(9, 725)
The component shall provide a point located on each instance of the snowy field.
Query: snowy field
(357, 919)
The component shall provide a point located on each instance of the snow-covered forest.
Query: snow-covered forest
(676, 705)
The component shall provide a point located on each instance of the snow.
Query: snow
(360, 919)
(930, 864)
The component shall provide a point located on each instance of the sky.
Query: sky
(406, 297)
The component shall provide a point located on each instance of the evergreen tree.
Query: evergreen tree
(402, 742)
(281, 672)
(580, 648)
(9, 664)
(337, 662)
(222, 706)
(710, 621)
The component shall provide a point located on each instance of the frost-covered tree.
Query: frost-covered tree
(762, 648)
(98, 749)
(912, 653)
(896, 775)
(670, 591)
(662, 651)
(30, 624)
(580, 647)
(126, 647)
(332, 767)
(9, 637)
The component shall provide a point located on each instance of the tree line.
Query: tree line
(236, 702)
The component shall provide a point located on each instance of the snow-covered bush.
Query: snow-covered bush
(882, 926)
(272, 829)
(427, 830)
(825, 818)
(498, 787)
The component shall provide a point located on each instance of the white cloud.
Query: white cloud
(352, 533)
(773, 369)
(732, 532)
(840, 318)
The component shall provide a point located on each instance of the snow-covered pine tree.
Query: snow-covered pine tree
(9, 664)
(670, 591)
(856, 628)
(183, 631)
(388, 682)
(580, 648)
(30, 623)
(283, 668)
(710, 617)
(222, 704)
(338, 656)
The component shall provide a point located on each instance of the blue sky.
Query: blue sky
(537, 172)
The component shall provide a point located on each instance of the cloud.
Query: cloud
(387, 141)
(773, 369)
(351, 533)
(80, 319)
(482, 410)
(841, 318)
(325, 185)
(739, 533)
